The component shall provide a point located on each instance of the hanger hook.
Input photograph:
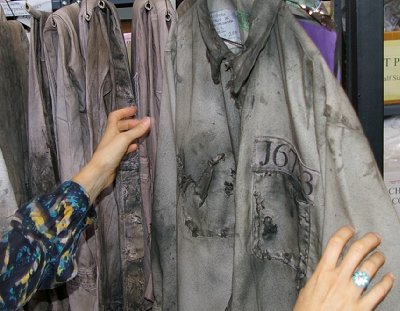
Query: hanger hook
(168, 16)
(148, 6)
(102, 4)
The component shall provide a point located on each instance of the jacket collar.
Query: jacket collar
(262, 19)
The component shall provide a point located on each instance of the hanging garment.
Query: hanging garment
(150, 26)
(120, 226)
(8, 201)
(7, 198)
(41, 143)
(67, 88)
(323, 38)
(260, 160)
(14, 51)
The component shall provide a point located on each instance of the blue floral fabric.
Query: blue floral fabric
(38, 252)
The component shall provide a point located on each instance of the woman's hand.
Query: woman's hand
(118, 139)
(333, 285)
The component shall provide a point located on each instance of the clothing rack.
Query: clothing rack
(360, 45)
(56, 4)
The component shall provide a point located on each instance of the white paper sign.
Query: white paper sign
(226, 24)
(18, 8)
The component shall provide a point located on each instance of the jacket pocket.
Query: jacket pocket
(208, 203)
(282, 192)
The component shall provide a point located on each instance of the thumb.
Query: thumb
(138, 131)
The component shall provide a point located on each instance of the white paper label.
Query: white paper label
(226, 24)
(18, 8)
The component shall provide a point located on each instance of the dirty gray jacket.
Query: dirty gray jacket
(260, 159)
(119, 237)
(13, 110)
(150, 26)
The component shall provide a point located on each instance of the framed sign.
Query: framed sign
(391, 64)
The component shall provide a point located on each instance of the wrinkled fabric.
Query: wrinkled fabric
(67, 88)
(8, 202)
(150, 26)
(261, 159)
(43, 164)
(120, 226)
(41, 143)
(39, 249)
(14, 53)
(3, 17)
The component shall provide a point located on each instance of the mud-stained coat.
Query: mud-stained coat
(261, 158)
(150, 27)
(119, 237)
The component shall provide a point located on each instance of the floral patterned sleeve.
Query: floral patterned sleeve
(38, 251)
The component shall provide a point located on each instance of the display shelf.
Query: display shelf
(392, 110)
(122, 3)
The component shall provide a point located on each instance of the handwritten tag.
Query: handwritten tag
(18, 8)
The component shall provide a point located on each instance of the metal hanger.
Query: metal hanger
(315, 13)
(168, 16)
(148, 6)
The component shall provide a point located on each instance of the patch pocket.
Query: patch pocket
(282, 192)
(208, 202)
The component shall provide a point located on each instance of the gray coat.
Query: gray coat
(261, 158)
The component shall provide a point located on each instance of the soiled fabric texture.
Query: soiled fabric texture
(67, 88)
(150, 27)
(120, 226)
(41, 139)
(39, 250)
(14, 51)
(8, 203)
(260, 160)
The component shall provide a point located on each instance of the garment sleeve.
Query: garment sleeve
(354, 189)
(38, 251)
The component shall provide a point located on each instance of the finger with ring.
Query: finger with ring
(362, 277)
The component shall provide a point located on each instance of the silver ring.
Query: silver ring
(361, 279)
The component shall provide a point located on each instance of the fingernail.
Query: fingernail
(378, 236)
(351, 228)
(146, 121)
(392, 275)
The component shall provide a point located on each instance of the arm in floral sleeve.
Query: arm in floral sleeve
(39, 250)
